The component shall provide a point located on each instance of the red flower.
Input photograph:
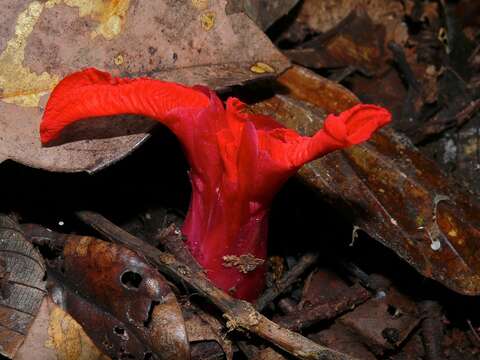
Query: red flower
(238, 160)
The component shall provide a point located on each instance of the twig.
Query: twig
(441, 123)
(287, 305)
(372, 282)
(304, 318)
(414, 89)
(173, 242)
(404, 66)
(239, 314)
(286, 281)
(474, 332)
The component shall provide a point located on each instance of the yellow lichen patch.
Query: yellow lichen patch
(261, 68)
(21, 86)
(77, 248)
(18, 84)
(109, 13)
(207, 19)
(118, 60)
(453, 233)
(420, 220)
(200, 4)
(471, 147)
(69, 340)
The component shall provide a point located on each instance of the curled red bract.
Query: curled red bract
(238, 160)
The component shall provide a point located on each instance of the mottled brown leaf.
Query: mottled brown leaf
(124, 305)
(55, 335)
(191, 42)
(22, 286)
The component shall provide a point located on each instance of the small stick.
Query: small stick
(474, 332)
(239, 314)
(173, 242)
(440, 123)
(404, 66)
(286, 281)
(303, 318)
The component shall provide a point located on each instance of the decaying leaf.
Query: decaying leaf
(124, 305)
(380, 323)
(22, 286)
(384, 322)
(388, 188)
(191, 42)
(341, 339)
(55, 335)
(355, 42)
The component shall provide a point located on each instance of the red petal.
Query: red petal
(350, 127)
(357, 124)
(92, 93)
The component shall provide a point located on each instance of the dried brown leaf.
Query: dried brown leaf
(125, 305)
(22, 287)
(55, 335)
(191, 42)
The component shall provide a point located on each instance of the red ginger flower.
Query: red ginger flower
(238, 160)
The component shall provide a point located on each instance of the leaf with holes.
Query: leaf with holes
(124, 305)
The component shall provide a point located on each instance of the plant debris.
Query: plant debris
(244, 263)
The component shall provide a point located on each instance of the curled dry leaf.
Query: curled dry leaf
(124, 305)
(22, 286)
(323, 15)
(191, 42)
(388, 188)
